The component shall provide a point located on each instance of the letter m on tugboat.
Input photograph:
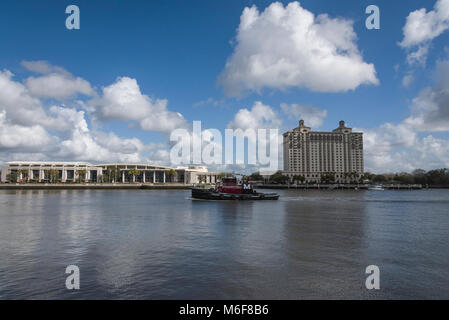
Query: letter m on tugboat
(232, 189)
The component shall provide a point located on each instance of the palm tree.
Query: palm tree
(172, 174)
(24, 173)
(202, 178)
(52, 175)
(80, 173)
(108, 174)
(116, 174)
(134, 173)
(299, 178)
(12, 177)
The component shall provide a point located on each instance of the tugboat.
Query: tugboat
(229, 189)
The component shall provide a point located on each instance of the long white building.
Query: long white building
(312, 154)
(64, 172)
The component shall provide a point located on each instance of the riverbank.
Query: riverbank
(181, 186)
(95, 186)
(340, 186)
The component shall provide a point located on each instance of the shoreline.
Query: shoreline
(94, 186)
(180, 186)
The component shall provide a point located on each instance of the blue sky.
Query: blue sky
(176, 50)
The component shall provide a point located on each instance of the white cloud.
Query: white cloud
(29, 130)
(58, 86)
(422, 27)
(408, 145)
(66, 119)
(312, 116)
(43, 67)
(419, 56)
(123, 100)
(19, 105)
(407, 80)
(55, 82)
(160, 157)
(430, 111)
(210, 102)
(83, 145)
(284, 47)
(15, 137)
(259, 117)
(397, 148)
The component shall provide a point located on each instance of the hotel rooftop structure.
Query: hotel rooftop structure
(64, 172)
(312, 154)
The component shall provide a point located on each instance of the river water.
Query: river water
(155, 244)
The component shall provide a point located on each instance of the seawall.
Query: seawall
(93, 186)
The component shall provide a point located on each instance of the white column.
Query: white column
(164, 176)
(123, 176)
(154, 176)
(41, 174)
(143, 177)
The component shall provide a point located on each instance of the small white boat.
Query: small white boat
(376, 188)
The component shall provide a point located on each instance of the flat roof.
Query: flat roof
(133, 165)
(83, 163)
(49, 163)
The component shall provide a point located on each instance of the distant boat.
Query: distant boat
(376, 188)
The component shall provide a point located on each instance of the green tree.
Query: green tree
(133, 173)
(256, 177)
(172, 174)
(13, 176)
(328, 177)
(379, 178)
(108, 174)
(278, 177)
(404, 178)
(438, 177)
(81, 175)
(52, 175)
(367, 176)
(116, 175)
(202, 178)
(420, 177)
(299, 178)
(24, 173)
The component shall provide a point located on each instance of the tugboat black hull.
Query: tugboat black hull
(211, 194)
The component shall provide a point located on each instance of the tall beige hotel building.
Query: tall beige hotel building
(312, 154)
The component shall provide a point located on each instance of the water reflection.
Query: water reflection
(160, 244)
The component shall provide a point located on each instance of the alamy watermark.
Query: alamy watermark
(373, 280)
(73, 20)
(72, 282)
(208, 147)
(373, 20)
